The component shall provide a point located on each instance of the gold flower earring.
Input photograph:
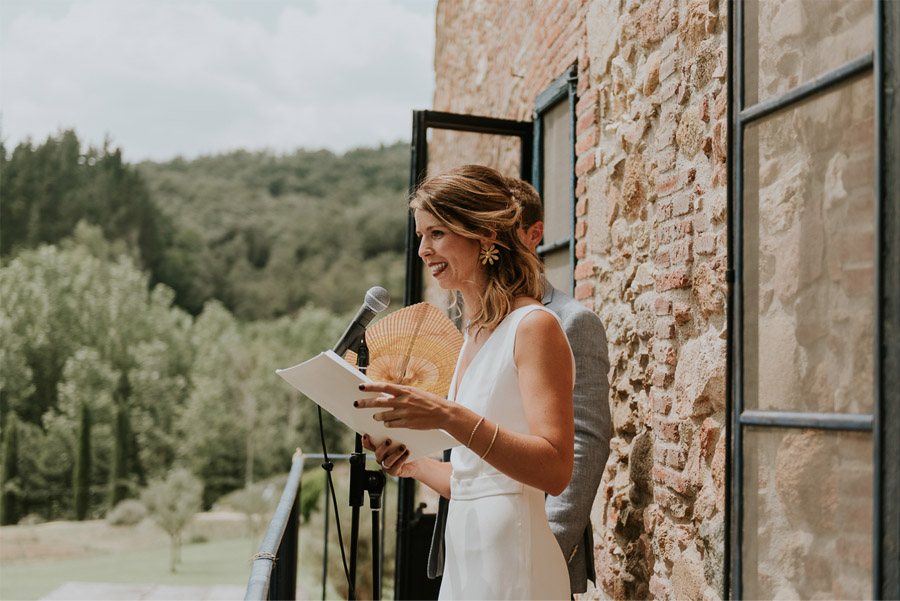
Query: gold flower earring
(489, 255)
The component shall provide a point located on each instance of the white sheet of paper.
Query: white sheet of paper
(333, 384)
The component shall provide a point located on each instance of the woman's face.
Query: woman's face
(450, 258)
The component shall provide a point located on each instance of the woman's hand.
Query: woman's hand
(391, 456)
(406, 407)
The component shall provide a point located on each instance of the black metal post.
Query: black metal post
(284, 579)
(325, 547)
(375, 487)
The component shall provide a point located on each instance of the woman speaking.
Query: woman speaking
(510, 400)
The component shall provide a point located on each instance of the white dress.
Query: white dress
(498, 543)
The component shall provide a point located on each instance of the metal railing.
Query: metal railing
(273, 574)
(278, 549)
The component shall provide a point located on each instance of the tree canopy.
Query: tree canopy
(158, 299)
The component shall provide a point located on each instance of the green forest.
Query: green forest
(144, 308)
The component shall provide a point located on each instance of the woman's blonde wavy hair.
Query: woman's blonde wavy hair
(475, 202)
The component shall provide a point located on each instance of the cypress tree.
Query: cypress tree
(9, 472)
(81, 478)
(118, 472)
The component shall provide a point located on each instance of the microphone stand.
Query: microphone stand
(364, 481)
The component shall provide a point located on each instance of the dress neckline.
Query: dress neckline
(459, 380)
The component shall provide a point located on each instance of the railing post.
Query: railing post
(284, 581)
(273, 574)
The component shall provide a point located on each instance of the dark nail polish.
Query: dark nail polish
(362, 386)
(356, 403)
(388, 441)
(403, 448)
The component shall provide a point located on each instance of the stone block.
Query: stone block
(660, 402)
(674, 504)
(700, 376)
(709, 289)
(665, 328)
(682, 204)
(584, 290)
(706, 244)
(709, 435)
(584, 269)
(585, 163)
(690, 133)
(681, 252)
(659, 588)
(663, 306)
(587, 140)
(677, 278)
(587, 101)
(580, 229)
(688, 580)
(662, 376)
(652, 75)
(581, 207)
(603, 33)
(580, 249)
(633, 186)
(665, 429)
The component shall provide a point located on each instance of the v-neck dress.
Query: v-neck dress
(498, 543)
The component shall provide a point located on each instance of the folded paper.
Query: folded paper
(333, 384)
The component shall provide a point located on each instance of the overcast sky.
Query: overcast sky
(164, 78)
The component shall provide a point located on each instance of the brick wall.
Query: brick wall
(651, 247)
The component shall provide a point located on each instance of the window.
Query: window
(554, 173)
(811, 460)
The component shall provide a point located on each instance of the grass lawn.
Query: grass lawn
(218, 562)
(35, 560)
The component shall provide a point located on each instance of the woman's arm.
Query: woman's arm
(393, 458)
(543, 457)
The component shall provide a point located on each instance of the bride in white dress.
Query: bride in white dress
(510, 402)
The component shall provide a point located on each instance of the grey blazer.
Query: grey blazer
(569, 513)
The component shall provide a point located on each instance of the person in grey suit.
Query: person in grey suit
(568, 513)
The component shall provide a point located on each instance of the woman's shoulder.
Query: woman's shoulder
(540, 334)
(521, 302)
(538, 322)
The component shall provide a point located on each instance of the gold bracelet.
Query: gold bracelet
(472, 435)
(493, 438)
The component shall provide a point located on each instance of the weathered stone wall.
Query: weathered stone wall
(656, 242)
(650, 246)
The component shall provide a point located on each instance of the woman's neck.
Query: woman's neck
(471, 302)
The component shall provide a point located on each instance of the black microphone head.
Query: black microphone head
(377, 299)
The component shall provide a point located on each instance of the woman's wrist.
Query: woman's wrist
(461, 422)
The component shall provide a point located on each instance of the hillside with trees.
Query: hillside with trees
(145, 308)
(267, 234)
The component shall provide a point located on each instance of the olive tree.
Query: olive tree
(172, 503)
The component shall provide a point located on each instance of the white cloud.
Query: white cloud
(163, 78)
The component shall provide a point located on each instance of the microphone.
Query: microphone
(377, 300)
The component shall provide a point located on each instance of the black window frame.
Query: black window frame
(884, 422)
(562, 89)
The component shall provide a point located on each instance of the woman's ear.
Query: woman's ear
(488, 239)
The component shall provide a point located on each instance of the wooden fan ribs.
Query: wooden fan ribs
(417, 345)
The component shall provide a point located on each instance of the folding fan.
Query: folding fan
(416, 346)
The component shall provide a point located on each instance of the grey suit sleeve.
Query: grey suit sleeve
(569, 513)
